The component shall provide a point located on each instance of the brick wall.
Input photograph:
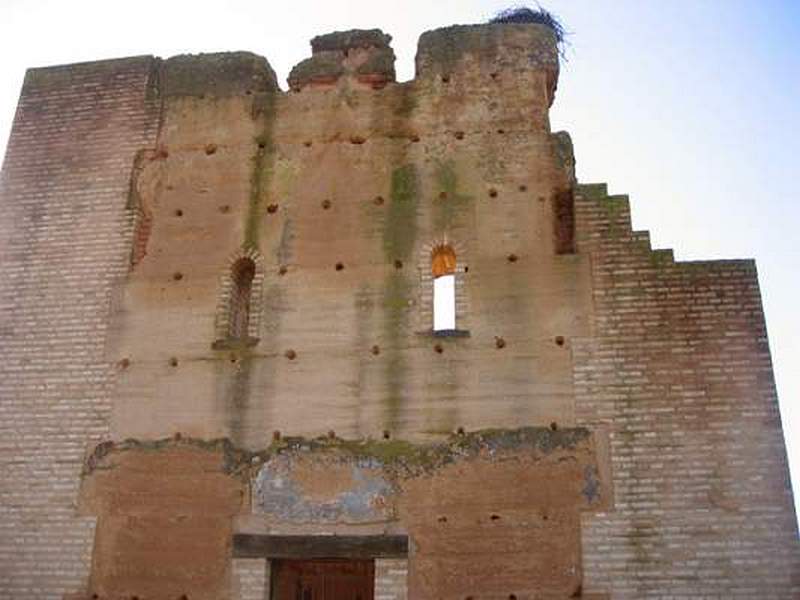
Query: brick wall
(64, 240)
(679, 369)
(391, 579)
(251, 579)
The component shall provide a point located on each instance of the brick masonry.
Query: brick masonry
(65, 240)
(678, 368)
(251, 578)
(391, 575)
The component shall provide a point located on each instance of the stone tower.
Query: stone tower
(364, 339)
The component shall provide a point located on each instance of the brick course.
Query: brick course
(65, 240)
(678, 368)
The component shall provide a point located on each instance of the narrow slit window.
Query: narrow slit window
(242, 274)
(443, 267)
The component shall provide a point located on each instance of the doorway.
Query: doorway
(323, 579)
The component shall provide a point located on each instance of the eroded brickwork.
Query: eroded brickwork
(64, 245)
(391, 579)
(250, 579)
(679, 370)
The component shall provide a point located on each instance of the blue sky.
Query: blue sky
(691, 106)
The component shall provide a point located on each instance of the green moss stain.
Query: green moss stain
(237, 398)
(395, 327)
(660, 259)
(379, 61)
(253, 215)
(446, 46)
(396, 297)
(320, 67)
(235, 460)
(613, 206)
(595, 191)
(217, 75)
(400, 226)
(399, 456)
(448, 209)
(399, 237)
(233, 374)
(283, 249)
(563, 150)
(391, 113)
(348, 97)
(265, 382)
(152, 91)
(445, 418)
(642, 538)
(406, 102)
(234, 371)
(341, 41)
(261, 167)
(364, 338)
(134, 199)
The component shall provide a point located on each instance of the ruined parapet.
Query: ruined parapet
(495, 48)
(564, 153)
(218, 74)
(361, 54)
(501, 71)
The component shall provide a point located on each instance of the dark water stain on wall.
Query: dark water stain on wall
(399, 238)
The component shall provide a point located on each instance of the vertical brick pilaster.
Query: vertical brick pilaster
(391, 579)
(65, 235)
(679, 371)
(251, 579)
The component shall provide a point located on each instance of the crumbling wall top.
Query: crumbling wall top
(491, 47)
(347, 40)
(363, 54)
(217, 74)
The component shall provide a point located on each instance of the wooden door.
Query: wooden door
(323, 579)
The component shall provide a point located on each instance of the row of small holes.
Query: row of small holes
(339, 266)
(211, 148)
(379, 200)
(499, 343)
(446, 78)
(386, 434)
(225, 208)
(358, 140)
(326, 204)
